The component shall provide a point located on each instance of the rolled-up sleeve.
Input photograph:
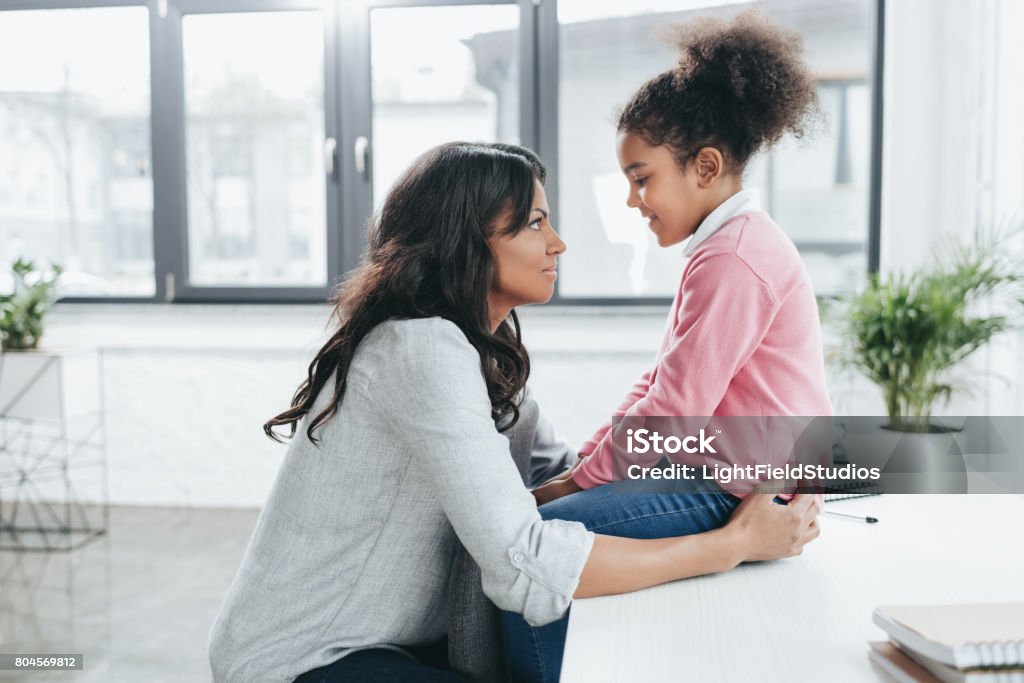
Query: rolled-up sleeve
(550, 563)
(436, 399)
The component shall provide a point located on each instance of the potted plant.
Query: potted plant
(908, 333)
(23, 310)
(32, 382)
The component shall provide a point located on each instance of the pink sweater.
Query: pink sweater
(742, 338)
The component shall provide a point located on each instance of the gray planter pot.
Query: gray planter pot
(910, 462)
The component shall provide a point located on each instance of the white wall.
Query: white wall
(1005, 392)
(932, 111)
(954, 152)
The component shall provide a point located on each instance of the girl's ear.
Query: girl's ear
(709, 165)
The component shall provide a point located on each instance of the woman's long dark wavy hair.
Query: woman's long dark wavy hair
(429, 256)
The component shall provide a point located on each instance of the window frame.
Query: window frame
(171, 224)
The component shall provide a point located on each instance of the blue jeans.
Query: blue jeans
(633, 509)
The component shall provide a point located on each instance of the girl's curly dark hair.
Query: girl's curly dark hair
(739, 86)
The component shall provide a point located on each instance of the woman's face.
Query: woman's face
(672, 201)
(525, 264)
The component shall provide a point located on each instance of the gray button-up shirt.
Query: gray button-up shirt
(354, 547)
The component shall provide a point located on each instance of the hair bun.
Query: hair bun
(753, 63)
(739, 86)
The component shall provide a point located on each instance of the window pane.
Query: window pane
(441, 74)
(254, 110)
(816, 189)
(820, 189)
(75, 183)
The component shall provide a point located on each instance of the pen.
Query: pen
(869, 520)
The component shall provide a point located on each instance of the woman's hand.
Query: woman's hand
(555, 488)
(764, 530)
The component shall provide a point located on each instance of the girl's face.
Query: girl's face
(673, 202)
(525, 264)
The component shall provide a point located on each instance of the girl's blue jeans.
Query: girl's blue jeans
(633, 509)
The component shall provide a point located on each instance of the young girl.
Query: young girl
(743, 336)
(395, 455)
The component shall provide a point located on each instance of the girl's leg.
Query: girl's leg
(633, 509)
(386, 666)
(646, 509)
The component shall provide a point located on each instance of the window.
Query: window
(254, 122)
(817, 191)
(75, 146)
(458, 81)
(240, 156)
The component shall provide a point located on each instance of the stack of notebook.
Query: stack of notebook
(952, 643)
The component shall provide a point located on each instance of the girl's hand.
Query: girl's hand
(764, 530)
(554, 489)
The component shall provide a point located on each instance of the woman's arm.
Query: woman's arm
(430, 392)
(551, 457)
(760, 529)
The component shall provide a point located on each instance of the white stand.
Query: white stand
(52, 449)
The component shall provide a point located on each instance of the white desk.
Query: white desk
(806, 618)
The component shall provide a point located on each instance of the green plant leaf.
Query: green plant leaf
(22, 311)
(906, 332)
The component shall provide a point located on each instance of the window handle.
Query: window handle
(330, 147)
(360, 150)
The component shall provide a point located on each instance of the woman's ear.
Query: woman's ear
(709, 165)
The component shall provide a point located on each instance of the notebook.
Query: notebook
(851, 489)
(908, 667)
(856, 488)
(894, 662)
(962, 636)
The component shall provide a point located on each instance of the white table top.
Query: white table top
(806, 618)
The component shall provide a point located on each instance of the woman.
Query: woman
(395, 456)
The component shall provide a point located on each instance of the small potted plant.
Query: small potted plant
(28, 374)
(23, 310)
(908, 333)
